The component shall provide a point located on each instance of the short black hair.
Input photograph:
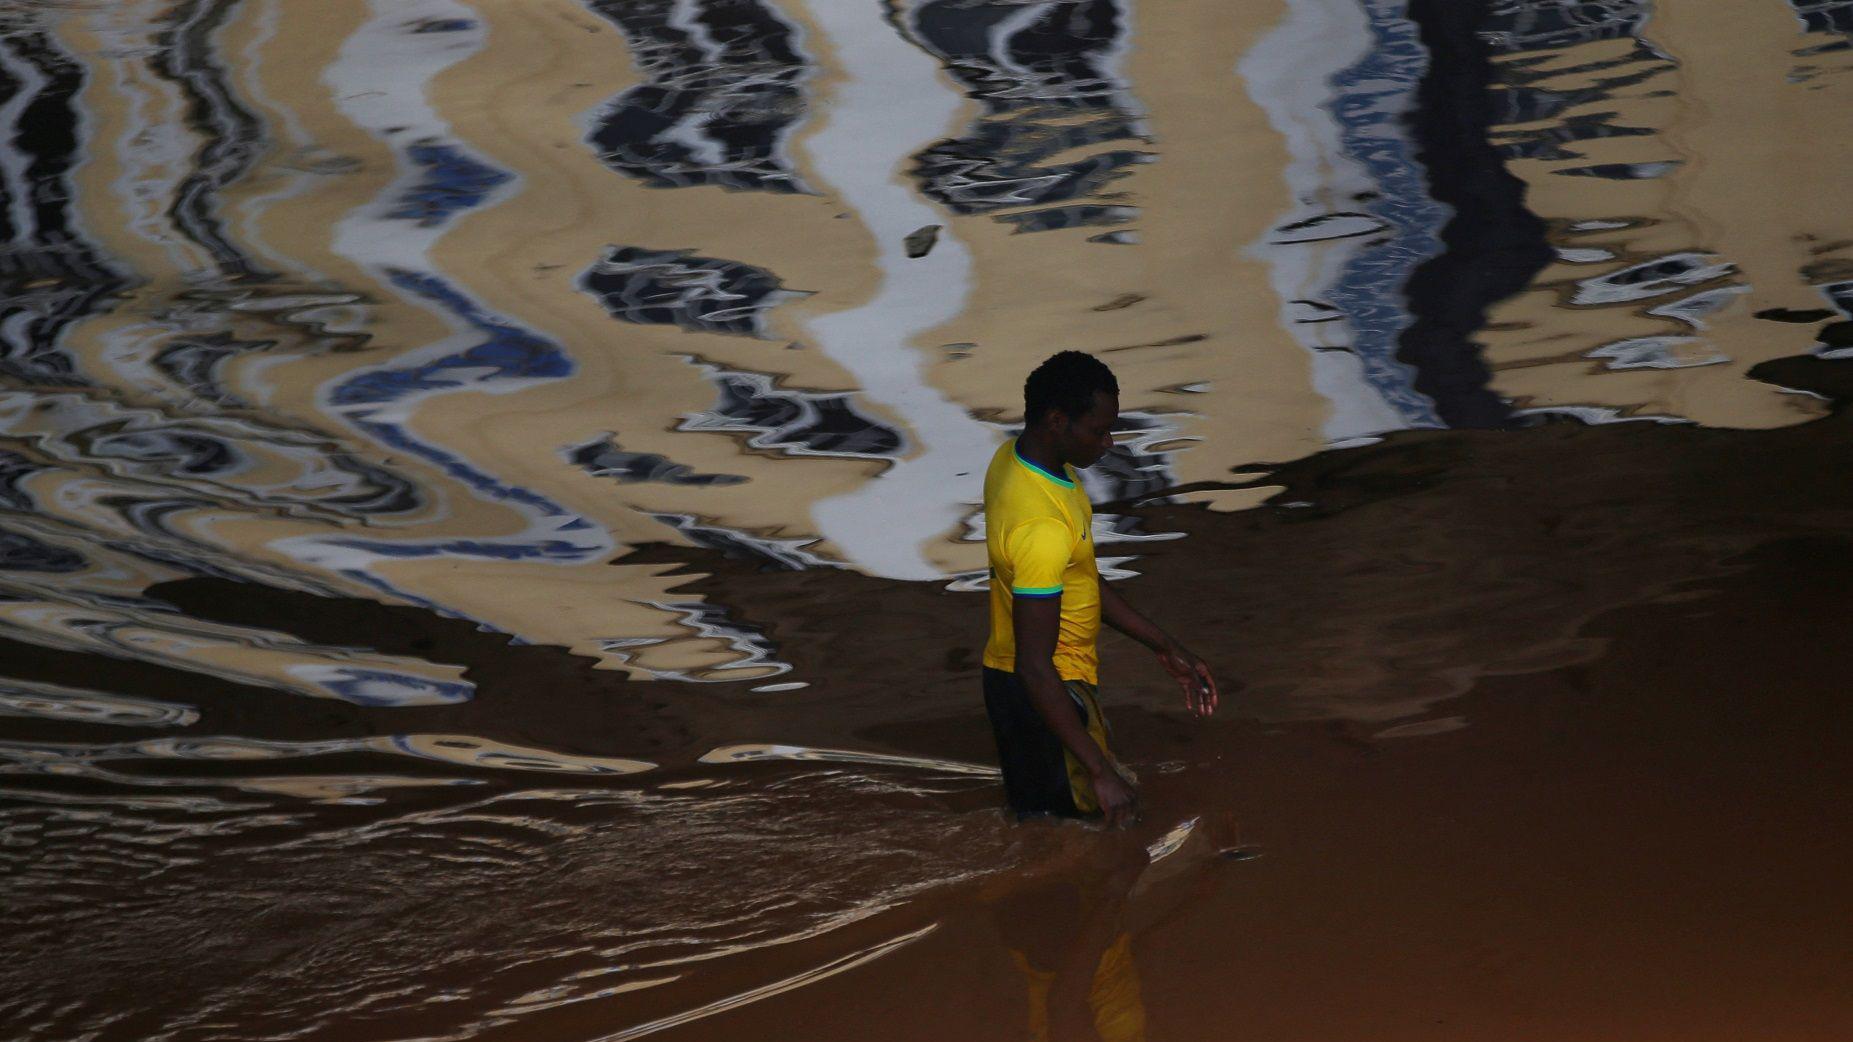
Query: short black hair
(1067, 380)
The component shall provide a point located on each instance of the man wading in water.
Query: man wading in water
(1047, 603)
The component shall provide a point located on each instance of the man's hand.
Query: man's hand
(1192, 675)
(1118, 800)
(1189, 671)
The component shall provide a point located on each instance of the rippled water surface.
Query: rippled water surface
(489, 541)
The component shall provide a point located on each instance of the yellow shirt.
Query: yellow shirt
(1037, 529)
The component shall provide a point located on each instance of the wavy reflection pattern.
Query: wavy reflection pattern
(1399, 221)
(231, 136)
(97, 489)
(382, 77)
(1825, 16)
(114, 495)
(1583, 93)
(723, 93)
(272, 320)
(673, 287)
(1057, 125)
(1291, 73)
(52, 274)
(790, 421)
(1834, 283)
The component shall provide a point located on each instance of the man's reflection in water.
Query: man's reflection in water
(1071, 931)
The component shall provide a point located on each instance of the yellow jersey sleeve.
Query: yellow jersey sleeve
(1038, 550)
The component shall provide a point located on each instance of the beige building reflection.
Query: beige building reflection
(505, 498)
(1721, 203)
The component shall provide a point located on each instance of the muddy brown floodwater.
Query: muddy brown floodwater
(490, 547)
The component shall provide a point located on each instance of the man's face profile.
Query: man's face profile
(1087, 437)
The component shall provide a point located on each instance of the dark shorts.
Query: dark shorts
(1040, 777)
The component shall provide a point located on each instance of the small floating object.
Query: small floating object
(1239, 853)
(919, 242)
(1168, 844)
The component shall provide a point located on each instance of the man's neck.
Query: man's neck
(1038, 451)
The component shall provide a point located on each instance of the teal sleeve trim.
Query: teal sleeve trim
(1036, 591)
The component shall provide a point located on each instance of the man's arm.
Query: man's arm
(1035, 622)
(1188, 670)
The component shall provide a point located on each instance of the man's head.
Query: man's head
(1071, 403)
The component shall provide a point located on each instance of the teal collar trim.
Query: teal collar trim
(1063, 482)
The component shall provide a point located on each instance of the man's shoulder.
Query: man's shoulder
(996, 472)
(1004, 480)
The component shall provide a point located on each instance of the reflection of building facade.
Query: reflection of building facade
(1644, 144)
(721, 96)
(255, 192)
(51, 274)
(452, 302)
(1174, 305)
(1337, 80)
(1056, 127)
(1825, 16)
